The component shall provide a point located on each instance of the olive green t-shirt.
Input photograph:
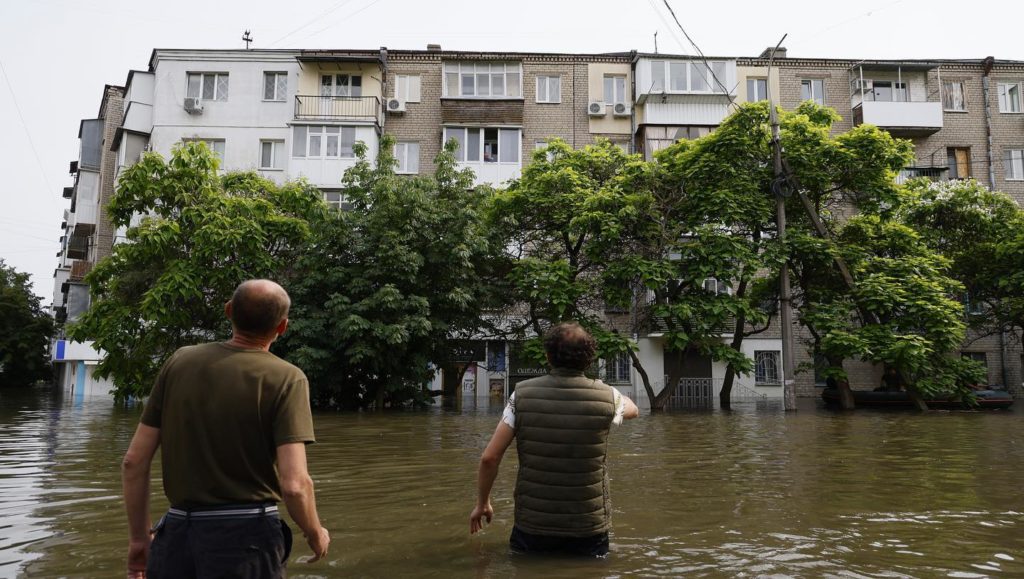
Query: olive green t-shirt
(222, 412)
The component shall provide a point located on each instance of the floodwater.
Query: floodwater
(752, 493)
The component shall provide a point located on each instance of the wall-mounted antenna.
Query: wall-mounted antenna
(655, 42)
(247, 38)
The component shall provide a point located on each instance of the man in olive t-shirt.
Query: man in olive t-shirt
(233, 421)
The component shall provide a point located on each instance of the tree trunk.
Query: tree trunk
(671, 383)
(643, 377)
(846, 401)
(915, 397)
(725, 396)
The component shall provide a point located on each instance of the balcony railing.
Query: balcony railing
(931, 173)
(904, 118)
(338, 108)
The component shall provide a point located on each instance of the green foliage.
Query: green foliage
(572, 217)
(25, 331)
(386, 285)
(200, 236)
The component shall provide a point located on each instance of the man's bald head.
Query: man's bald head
(258, 306)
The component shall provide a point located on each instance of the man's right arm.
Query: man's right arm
(490, 460)
(631, 410)
(297, 490)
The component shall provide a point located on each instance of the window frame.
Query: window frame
(618, 369)
(277, 156)
(1013, 158)
(338, 204)
(279, 98)
(1005, 104)
(952, 103)
(406, 94)
(461, 69)
(615, 85)
(202, 85)
(953, 162)
(761, 379)
(323, 136)
(462, 154)
(336, 85)
(547, 78)
(757, 80)
(406, 145)
(211, 143)
(810, 82)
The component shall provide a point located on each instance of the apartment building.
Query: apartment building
(299, 113)
(88, 237)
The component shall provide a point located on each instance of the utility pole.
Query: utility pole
(779, 189)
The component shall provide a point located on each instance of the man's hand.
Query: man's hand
(138, 554)
(479, 513)
(318, 543)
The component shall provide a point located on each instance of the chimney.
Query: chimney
(433, 47)
(780, 53)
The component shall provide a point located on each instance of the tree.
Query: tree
(201, 234)
(569, 226)
(979, 232)
(892, 306)
(709, 267)
(25, 331)
(389, 282)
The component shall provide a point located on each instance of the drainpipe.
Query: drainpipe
(633, 58)
(384, 86)
(986, 69)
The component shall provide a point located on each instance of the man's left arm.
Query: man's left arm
(135, 483)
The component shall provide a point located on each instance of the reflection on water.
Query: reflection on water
(752, 493)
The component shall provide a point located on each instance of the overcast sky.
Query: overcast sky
(58, 54)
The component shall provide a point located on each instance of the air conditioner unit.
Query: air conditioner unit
(596, 109)
(193, 106)
(396, 106)
(620, 110)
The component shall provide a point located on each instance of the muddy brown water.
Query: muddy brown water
(752, 493)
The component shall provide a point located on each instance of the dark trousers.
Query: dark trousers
(593, 546)
(207, 548)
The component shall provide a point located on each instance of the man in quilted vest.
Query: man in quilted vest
(560, 423)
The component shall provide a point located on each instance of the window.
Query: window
(813, 89)
(688, 76)
(766, 368)
(953, 96)
(887, 91)
(657, 138)
(482, 80)
(341, 85)
(1013, 163)
(271, 154)
(209, 86)
(275, 86)
(614, 90)
(323, 142)
(616, 368)
(959, 161)
(757, 89)
(487, 144)
(215, 145)
(1009, 97)
(549, 89)
(550, 155)
(978, 357)
(336, 200)
(407, 87)
(408, 155)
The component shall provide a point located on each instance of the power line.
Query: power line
(336, 6)
(350, 15)
(703, 58)
(24, 125)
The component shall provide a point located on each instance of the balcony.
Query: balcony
(365, 109)
(78, 247)
(930, 173)
(902, 119)
(138, 118)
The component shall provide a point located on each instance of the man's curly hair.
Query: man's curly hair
(570, 346)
